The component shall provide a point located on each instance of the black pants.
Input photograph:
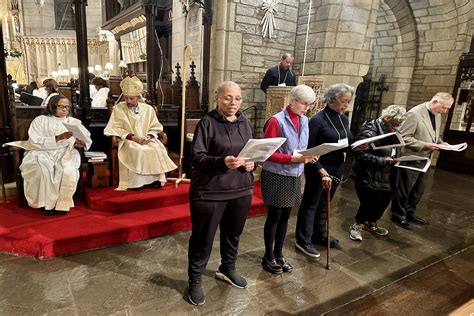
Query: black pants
(230, 216)
(410, 187)
(311, 221)
(274, 231)
(373, 202)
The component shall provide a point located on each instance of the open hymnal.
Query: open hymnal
(413, 162)
(323, 149)
(258, 150)
(388, 140)
(458, 147)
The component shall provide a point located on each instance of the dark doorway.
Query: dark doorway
(368, 102)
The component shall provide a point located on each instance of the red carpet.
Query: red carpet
(113, 218)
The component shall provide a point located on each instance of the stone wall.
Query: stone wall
(444, 32)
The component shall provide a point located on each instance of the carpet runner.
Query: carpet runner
(108, 218)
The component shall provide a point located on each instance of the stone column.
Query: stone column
(339, 40)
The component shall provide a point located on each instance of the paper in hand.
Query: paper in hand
(78, 131)
(416, 163)
(388, 140)
(323, 149)
(258, 150)
(458, 147)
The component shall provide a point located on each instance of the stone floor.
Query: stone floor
(149, 277)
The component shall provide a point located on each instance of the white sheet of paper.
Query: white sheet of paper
(371, 140)
(78, 131)
(458, 147)
(413, 163)
(258, 150)
(323, 149)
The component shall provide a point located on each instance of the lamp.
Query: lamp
(108, 68)
(90, 69)
(98, 70)
(122, 65)
(74, 72)
(54, 74)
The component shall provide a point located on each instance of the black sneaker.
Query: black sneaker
(195, 293)
(232, 278)
(271, 266)
(323, 241)
(284, 264)
(49, 212)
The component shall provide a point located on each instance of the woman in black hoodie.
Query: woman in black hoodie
(221, 189)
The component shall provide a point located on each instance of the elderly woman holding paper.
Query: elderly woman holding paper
(331, 125)
(281, 174)
(50, 165)
(221, 189)
(372, 173)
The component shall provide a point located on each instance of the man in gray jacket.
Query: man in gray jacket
(420, 132)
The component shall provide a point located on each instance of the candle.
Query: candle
(13, 27)
(7, 35)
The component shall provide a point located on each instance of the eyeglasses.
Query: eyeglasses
(310, 105)
(64, 107)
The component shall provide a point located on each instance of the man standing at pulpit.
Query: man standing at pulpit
(281, 74)
(143, 159)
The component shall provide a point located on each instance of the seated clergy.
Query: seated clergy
(143, 159)
(51, 162)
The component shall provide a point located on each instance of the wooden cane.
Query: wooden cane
(328, 212)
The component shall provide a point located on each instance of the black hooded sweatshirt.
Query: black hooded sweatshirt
(214, 139)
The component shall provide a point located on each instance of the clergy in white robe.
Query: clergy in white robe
(99, 100)
(50, 164)
(143, 159)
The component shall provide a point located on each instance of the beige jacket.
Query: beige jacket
(417, 131)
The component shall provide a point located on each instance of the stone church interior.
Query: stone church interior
(126, 252)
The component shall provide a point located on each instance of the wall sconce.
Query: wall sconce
(39, 3)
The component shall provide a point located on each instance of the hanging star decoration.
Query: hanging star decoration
(268, 20)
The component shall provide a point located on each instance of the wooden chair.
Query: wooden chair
(21, 118)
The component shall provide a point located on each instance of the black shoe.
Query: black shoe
(231, 277)
(195, 293)
(334, 242)
(271, 266)
(402, 223)
(136, 189)
(285, 265)
(60, 212)
(416, 220)
(49, 212)
(156, 185)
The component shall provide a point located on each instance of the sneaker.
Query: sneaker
(374, 228)
(195, 293)
(355, 232)
(285, 265)
(323, 241)
(308, 250)
(232, 278)
(271, 266)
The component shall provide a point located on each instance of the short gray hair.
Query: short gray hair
(302, 93)
(221, 86)
(394, 113)
(334, 92)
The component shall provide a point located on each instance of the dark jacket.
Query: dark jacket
(271, 78)
(370, 167)
(214, 139)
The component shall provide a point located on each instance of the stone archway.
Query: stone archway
(395, 49)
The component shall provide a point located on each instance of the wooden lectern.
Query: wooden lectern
(277, 98)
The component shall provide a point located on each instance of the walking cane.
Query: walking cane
(328, 212)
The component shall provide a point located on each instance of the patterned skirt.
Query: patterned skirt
(279, 190)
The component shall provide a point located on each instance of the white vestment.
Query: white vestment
(40, 93)
(138, 164)
(100, 98)
(49, 168)
(45, 101)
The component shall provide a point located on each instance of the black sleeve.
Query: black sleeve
(368, 158)
(202, 160)
(266, 81)
(314, 126)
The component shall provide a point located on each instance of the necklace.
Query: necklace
(284, 79)
(345, 131)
